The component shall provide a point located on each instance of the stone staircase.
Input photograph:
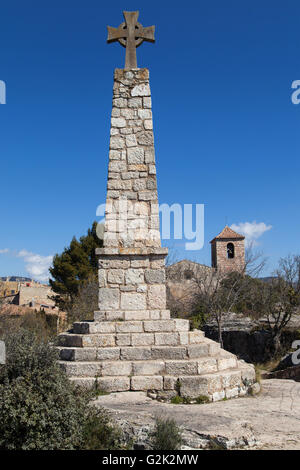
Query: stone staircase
(157, 354)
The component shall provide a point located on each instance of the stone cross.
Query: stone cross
(130, 34)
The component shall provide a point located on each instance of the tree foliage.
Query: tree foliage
(76, 264)
(41, 409)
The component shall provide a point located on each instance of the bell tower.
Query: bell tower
(228, 251)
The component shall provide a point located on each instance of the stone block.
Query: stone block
(123, 339)
(148, 368)
(81, 369)
(231, 379)
(147, 383)
(116, 368)
(198, 350)
(148, 124)
(135, 155)
(135, 353)
(157, 297)
(142, 89)
(167, 352)
(114, 384)
(131, 140)
(120, 102)
(183, 337)
(159, 325)
(108, 354)
(102, 327)
(108, 298)
(133, 301)
(181, 367)
(102, 277)
(227, 363)
(135, 103)
(129, 327)
(155, 314)
(196, 336)
(115, 276)
(165, 314)
(193, 386)
(118, 122)
(181, 324)
(117, 142)
(136, 315)
(155, 276)
(142, 339)
(232, 393)
(78, 354)
(167, 339)
(134, 276)
(170, 383)
(98, 340)
(206, 365)
(145, 138)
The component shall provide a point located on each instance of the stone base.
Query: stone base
(161, 354)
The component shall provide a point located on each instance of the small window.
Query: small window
(230, 250)
(188, 274)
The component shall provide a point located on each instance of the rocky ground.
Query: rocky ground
(270, 420)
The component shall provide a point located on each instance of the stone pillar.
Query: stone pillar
(131, 262)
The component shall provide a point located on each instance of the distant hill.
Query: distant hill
(15, 278)
(267, 278)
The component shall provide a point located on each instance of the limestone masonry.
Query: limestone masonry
(133, 344)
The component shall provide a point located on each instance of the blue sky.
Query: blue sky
(226, 131)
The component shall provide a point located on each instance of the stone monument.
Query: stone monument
(133, 344)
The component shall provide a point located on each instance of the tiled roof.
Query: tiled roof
(227, 233)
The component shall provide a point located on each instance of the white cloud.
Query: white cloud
(37, 266)
(251, 230)
(4, 250)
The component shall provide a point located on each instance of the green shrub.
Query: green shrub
(166, 435)
(40, 408)
(177, 400)
(202, 399)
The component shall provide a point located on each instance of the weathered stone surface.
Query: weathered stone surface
(133, 301)
(134, 276)
(159, 325)
(116, 368)
(157, 297)
(135, 353)
(148, 368)
(114, 384)
(170, 339)
(135, 155)
(108, 354)
(181, 367)
(147, 383)
(167, 352)
(142, 339)
(141, 90)
(129, 327)
(108, 298)
(155, 276)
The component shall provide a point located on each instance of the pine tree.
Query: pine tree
(75, 265)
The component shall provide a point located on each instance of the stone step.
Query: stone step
(147, 367)
(136, 353)
(146, 326)
(215, 385)
(116, 315)
(104, 340)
